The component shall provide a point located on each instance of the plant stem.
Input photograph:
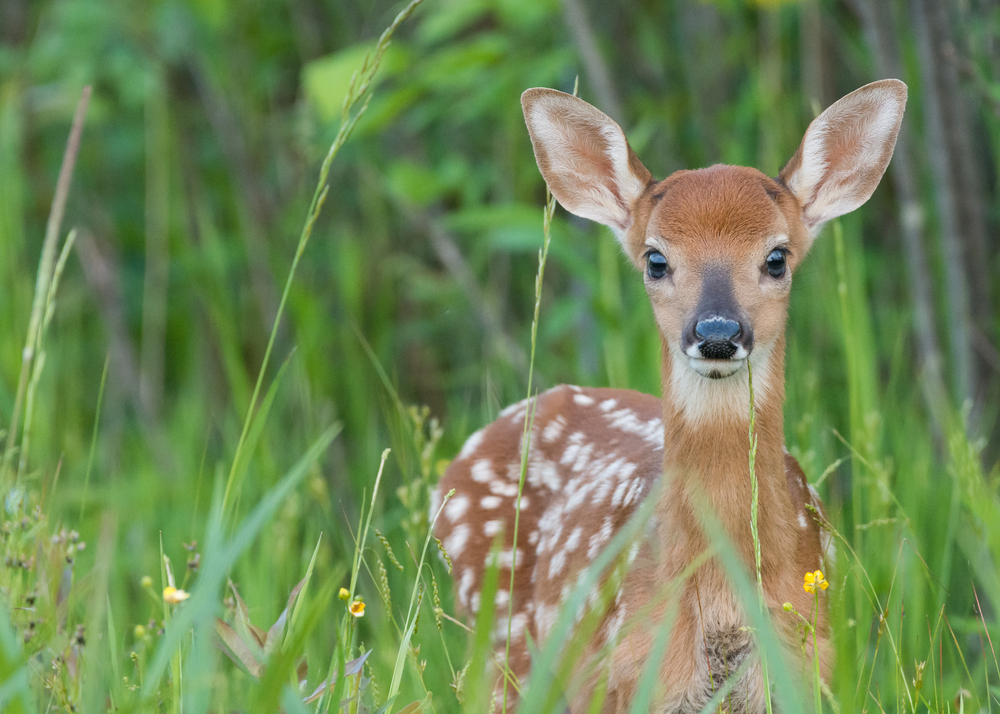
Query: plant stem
(543, 254)
(752, 456)
(45, 268)
(348, 121)
(816, 686)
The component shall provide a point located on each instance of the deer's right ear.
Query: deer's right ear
(584, 158)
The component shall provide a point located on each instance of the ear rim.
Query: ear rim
(895, 92)
(629, 176)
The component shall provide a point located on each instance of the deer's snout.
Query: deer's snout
(717, 330)
(717, 336)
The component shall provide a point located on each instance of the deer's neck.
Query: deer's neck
(706, 457)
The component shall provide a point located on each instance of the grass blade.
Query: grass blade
(198, 612)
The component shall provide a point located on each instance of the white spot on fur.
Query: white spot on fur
(557, 564)
(482, 471)
(545, 619)
(619, 494)
(456, 507)
(517, 624)
(574, 539)
(491, 528)
(514, 408)
(507, 558)
(573, 445)
(803, 524)
(578, 495)
(583, 400)
(614, 626)
(454, 544)
(468, 576)
(490, 502)
(542, 473)
(633, 492)
(553, 429)
(550, 527)
(599, 539)
(628, 421)
(608, 404)
(503, 488)
(471, 444)
(583, 457)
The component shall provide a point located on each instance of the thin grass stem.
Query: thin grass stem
(45, 271)
(529, 420)
(93, 437)
(39, 350)
(754, 531)
(348, 122)
(411, 613)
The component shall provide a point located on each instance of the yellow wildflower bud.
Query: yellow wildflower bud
(357, 608)
(140, 632)
(787, 607)
(173, 596)
(146, 582)
(344, 594)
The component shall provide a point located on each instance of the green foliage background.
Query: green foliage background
(202, 143)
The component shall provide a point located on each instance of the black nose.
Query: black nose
(717, 337)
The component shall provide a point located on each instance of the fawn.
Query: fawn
(717, 248)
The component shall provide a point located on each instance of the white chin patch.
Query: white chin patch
(716, 368)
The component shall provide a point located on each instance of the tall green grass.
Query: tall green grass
(386, 345)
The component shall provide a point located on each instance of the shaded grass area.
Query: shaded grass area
(234, 470)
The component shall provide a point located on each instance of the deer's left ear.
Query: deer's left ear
(845, 151)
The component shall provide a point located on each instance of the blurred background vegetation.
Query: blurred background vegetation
(200, 152)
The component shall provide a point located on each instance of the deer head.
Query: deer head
(718, 246)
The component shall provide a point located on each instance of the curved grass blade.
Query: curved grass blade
(243, 454)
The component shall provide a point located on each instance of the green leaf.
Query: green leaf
(326, 81)
(236, 649)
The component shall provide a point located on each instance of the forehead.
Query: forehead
(724, 207)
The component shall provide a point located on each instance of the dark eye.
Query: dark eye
(776, 263)
(656, 264)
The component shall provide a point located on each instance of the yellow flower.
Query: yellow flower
(357, 608)
(173, 596)
(344, 594)
(813, 580)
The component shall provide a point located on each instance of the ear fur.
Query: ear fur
(845, 151)
(584, 157)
